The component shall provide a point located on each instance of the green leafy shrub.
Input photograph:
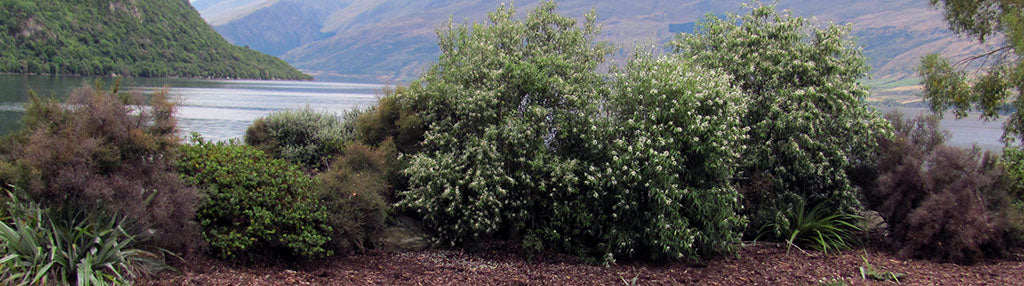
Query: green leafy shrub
(11, 173)
(662, 186)
(111, 150)
(44, 246)
(350, 118)
(808, 127)
(395, 116)
(354, 191)
(939, 202)
(255, 205)
(301, 136)
(394, 127)
(517, 145)
(508, 107)
(868, 271)
(1010, 202)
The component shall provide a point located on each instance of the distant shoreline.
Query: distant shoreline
(134, 76)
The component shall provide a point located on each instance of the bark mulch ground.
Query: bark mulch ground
(497, 264)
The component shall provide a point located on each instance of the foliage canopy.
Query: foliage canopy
(111, 149)
(526, 138)
(996, 83)
(506, 103)
(806, 122)
(303, 136)
(255, 205)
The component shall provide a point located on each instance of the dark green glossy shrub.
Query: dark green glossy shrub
(254, 205)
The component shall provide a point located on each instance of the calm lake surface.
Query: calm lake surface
(222, 109)
(217, 109)
(966, 132)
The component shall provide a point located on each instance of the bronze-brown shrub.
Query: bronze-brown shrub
(939, 202)
(108, 150)
(354, 191)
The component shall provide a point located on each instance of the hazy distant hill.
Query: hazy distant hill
(389, 40)
(128, 37)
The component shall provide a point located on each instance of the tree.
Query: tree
(806, 121)
(988, 81)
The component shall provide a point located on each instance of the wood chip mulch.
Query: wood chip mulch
(760, 264)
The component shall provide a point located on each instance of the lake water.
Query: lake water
(966, 132)
(222, 109)
(217, 109)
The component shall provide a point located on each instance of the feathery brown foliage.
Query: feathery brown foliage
(108, 150)
(354, 191)
(939, 202)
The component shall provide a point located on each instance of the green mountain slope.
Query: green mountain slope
(148, 38)
(388, 40)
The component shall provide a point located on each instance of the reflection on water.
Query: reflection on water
(217, 109)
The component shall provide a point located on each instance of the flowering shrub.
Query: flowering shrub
(506, 106)
(517, 146)
(665, 180)
(807, 125)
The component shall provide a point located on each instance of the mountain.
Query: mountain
(148, 38)
(394, 40)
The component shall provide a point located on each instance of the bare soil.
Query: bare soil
(501, 264)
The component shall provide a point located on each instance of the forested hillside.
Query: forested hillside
(149, 38)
